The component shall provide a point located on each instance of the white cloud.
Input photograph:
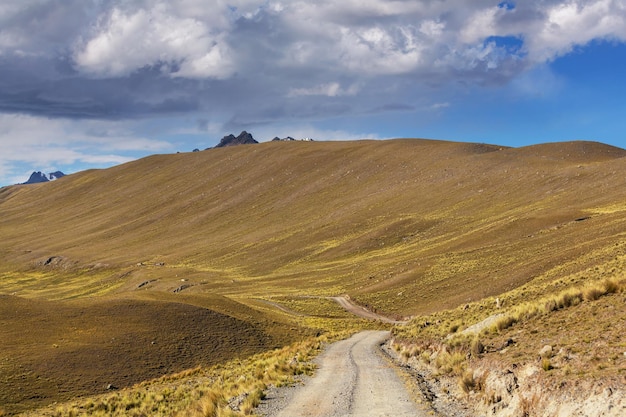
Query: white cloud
(328, 90)
(128, 40)
(438, 106)
(572, 23)
(199, 39)
(49, 144)
(238, 60)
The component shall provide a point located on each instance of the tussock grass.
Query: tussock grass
(562, 300)
(451, 362)
(435, 340)
(231, 389)
(467, 381)
(405, 227)
(546, 365)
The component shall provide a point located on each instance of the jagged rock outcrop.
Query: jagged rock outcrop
(244, 138)
(38, 176)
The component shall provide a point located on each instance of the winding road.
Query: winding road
(353, 379)
(360, 311)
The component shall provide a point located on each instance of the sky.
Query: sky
(95, 83)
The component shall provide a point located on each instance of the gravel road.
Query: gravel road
(353, 379)
(362, 311)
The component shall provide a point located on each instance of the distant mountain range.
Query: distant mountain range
(246, 138)
(38, 176)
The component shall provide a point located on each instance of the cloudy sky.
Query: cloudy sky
(93, 83)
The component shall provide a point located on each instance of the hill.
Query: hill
(381, 221)
(406, 227)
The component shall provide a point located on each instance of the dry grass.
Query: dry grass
(564, 299)
(583, 323)
(405, 227)
(231, 389)
(53, 351)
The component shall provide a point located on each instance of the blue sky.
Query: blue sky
(90, 84)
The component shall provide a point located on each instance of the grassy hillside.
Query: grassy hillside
(406, 227)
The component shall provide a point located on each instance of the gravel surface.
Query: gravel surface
(353, 379)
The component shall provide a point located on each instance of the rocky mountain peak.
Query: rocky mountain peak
(244, 138)
(38, 176)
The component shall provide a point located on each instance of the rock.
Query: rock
(244, 138)
(38, 177)
(181, 288)
(546, 351)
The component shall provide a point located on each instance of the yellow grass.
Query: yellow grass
(405, 227)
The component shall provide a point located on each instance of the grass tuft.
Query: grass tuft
(477, 347)
(467, 381)
(546, 365)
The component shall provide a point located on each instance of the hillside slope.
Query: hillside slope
(203, 246)
(405, 225)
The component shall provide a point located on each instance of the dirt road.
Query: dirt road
(362, 311)
(353, 379)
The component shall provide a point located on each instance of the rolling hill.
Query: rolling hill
(404, 226)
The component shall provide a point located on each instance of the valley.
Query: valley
(110, 278)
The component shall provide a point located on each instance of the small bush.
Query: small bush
(467, 382)
(593, 293)
(611, 286)
(505, 322)
(454, 327)
(546, 365)
(252, 401)
(451, 363)
(209, 405)
(477, 347)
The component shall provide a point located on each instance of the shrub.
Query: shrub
(453, 363)
(467, 381)
(546, 365)
(611, 286)
(252, 401)
(505, 322)
(477, 347)
(593, 293)
(454, 327)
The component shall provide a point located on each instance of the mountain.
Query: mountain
(152, 266)
(38, 176)
(244, 138)
(373, 219)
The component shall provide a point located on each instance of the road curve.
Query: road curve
(357, 310)
(353, 379)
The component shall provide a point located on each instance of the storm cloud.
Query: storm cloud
(129, 59)
(246, 63)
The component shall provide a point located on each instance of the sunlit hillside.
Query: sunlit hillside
(405, 227)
